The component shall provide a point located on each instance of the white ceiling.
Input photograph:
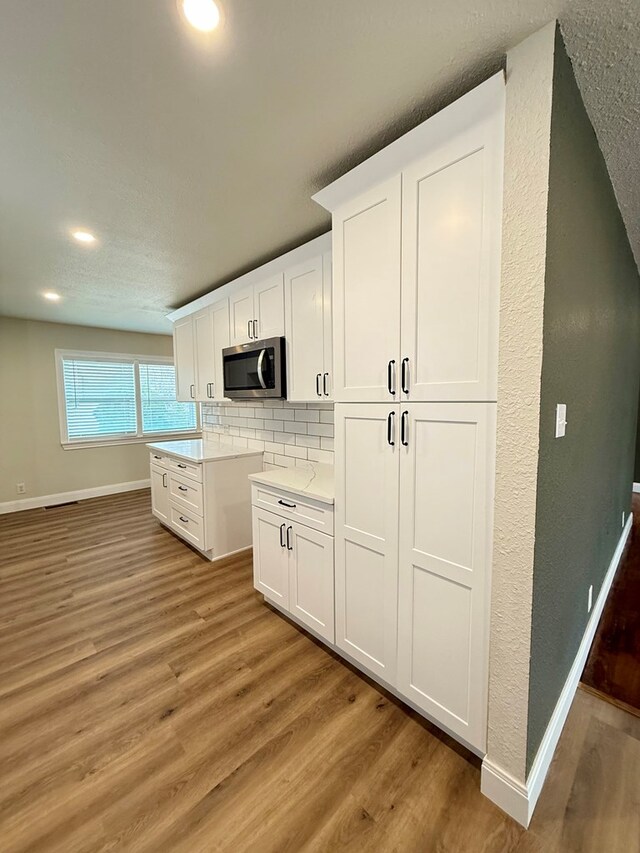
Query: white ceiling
(193, 158)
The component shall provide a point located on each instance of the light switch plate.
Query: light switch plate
(561, 420)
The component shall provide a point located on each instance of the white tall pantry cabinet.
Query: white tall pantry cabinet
(416, 274)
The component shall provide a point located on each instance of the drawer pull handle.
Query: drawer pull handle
(183, 488)
(184, 520)
(282, 527)
(157, 457)
(180, 465)
(284, 503)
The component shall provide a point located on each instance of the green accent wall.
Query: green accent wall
(591, 362)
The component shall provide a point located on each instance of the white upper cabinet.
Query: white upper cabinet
(446, 490)
(366, 295)
(451, 214)
(366, 535)
(268, 307)
(252, 308)
(416, 241)
(257, 311)
(241, 314)
(307, 296)
(184, 358)
(211, 330)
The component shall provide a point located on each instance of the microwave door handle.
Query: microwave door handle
(263, 352)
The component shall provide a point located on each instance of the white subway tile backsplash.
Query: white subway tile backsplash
(288, 433)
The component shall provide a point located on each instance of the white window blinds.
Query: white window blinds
(106, 398)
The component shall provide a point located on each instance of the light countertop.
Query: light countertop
(315, 482)
(198, 450)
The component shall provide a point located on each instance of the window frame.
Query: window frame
(112, 440)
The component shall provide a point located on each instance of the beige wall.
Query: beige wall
(524, 234)
(30, 449)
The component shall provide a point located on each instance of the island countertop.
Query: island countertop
(314, 481)
(198, 450)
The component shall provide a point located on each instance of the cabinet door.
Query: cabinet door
(311, 579)
(183, 354)
(304, 303)
(446, 499)
(268, 306)
(220, 321)
(366, 295)
(327, 298)
(204, 350)
(160, 493)
(270, 556)
(366, 535)
(451, 223)
(241, 315)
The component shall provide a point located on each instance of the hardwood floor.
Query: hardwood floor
(149, 701)
(613, 667)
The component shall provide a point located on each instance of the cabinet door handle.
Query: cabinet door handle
(284, 503)
(404, 429)
(289, 545)
(391, 385)
(192, 391)
(325, 384)
(249, 335)
(184, 520)
(318, 392)
(164, 480)
(209, 391)
(180, 465)
(405, 374)
(255, 330)
(183, 488)
(390, 428)
(282, 527)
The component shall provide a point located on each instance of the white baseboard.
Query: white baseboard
(636, 487)
(514, 797)
(66, 497)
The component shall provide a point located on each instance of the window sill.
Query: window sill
(147, 439)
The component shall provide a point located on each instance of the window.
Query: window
(109, 399)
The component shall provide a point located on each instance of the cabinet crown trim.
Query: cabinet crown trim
(485, 101)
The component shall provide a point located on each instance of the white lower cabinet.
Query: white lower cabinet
(205, 502)
(414, 491)
(366, 534)
(293, 568)
(160, 492)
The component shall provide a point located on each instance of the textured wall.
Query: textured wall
(527, 130)
(30, 450)
(291, 434)
(591, 361)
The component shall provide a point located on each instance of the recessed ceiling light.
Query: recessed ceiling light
(51, 296)
(204, 15)
(83, 236)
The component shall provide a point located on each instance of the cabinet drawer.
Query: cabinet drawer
(187, 493)
(158, 459)
(189, 525)
(192, 470)
(312, 513)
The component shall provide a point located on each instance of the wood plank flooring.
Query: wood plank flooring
(613, 667)
(149, 701)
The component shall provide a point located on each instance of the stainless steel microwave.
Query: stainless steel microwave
(255, 369)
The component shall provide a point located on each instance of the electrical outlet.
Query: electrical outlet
(561, 420)
(21, 488)
(590, 599)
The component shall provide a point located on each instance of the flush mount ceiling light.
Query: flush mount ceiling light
(204, 15)
(51, 296)
(83, 236)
